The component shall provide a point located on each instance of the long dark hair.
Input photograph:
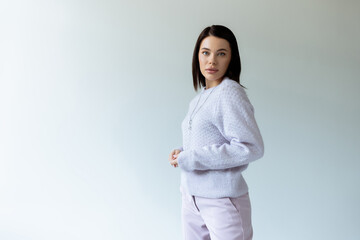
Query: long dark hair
(234, 68)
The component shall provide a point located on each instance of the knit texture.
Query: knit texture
(224, 138)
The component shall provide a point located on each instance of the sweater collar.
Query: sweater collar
(208, 90)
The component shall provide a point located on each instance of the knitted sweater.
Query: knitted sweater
(224, 138)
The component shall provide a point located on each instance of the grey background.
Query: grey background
(92, 95)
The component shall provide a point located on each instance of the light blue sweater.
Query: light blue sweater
(224, 138)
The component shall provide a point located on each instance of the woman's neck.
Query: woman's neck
(212, 83)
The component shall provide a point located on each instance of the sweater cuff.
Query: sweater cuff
(183, 160)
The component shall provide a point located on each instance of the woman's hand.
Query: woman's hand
(173, 157)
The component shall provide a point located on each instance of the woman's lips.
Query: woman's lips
(211, 71)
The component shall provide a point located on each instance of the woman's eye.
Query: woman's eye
(221, 54)
(205, 53)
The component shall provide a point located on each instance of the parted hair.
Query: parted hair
(234, 68)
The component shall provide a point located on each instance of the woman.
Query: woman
(220, 139)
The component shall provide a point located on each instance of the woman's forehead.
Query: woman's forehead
(214, 43)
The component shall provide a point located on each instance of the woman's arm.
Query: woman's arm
(234, 118)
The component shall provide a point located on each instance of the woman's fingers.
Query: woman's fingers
(174, 162)
(171, 155)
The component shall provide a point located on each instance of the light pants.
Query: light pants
(216, 219)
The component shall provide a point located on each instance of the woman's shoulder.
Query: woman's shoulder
(195, 97)
(230, 87)
(233, 94)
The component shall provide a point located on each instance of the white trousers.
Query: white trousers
(216, 219)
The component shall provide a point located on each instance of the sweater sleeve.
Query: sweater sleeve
(234, 118)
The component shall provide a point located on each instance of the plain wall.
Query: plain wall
(92, 95)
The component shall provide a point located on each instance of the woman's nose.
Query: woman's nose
(212, 60)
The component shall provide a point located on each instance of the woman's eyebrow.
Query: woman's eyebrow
(222, 49)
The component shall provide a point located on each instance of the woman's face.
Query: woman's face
(214, 59)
